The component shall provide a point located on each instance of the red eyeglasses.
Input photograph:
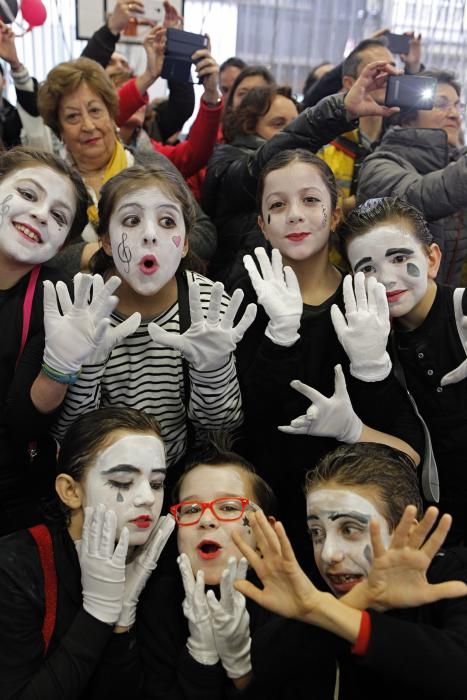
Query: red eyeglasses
(224, 509)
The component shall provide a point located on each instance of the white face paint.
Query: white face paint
(147, 236)
(37, 207)
(209, 543)
(338, 521)
(296, 211)
(128, 478)
(393, 255)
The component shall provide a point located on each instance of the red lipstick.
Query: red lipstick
(298, 236)
(142, 521)
(395, 295)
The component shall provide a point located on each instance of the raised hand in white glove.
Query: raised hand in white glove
(364, 331)
(139, 570)
(73, 335)
(102, 564)
(327, 417)
(231, 621)
(208, 342)
(278, 292)
(459, 373)
(112, 335)
(200, 643)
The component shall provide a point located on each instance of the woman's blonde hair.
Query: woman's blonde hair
(65, 79)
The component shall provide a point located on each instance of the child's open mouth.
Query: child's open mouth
(148, 265)
(208, 549)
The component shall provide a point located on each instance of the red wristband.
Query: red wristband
(361, 644)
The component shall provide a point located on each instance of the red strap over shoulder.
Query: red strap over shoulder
(43, 539)
(27, 308)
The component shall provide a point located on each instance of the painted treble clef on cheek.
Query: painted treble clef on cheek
(124, 252)
(4, 208)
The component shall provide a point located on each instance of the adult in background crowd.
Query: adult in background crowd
(421, 160)
(79, 103)
(262, 113)
(228, 71)
(101, 48)
(346, 152)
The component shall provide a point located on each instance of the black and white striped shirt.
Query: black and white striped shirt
(140, 375)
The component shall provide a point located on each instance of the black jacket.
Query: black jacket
(84, 660)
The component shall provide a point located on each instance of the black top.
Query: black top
(170, 673)
(265, 372)
(412, 653)
(426, 354)
(22, 426)
(84, 659)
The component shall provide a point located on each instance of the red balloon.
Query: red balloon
(33, 12)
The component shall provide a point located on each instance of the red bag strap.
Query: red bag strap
(27, 308)
(43, 539)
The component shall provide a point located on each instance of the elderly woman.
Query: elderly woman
(79, 103)
(421, 161)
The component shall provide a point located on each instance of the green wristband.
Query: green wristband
(59, 376)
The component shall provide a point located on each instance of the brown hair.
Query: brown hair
(132, 179)
(26, 157)
(218, 454)
(65, 79)
(297, 155)
(390, 471)
(90, 433)
(256, 103)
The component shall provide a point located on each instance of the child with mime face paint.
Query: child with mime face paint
(178, 365)
(389, 240)
(402, 609)
(197, 634)
(292, 356)
(67, 607)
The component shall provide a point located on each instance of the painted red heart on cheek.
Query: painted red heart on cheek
(177, 240)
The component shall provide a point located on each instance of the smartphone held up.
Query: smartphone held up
(410, 92)
(179, 49)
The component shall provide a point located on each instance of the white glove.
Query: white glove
(364, 331)
(200, 643)
(209, 342)
(231, 621)
(139, 570)
(113, 335)
(333, 417)
(279, 292)
(459, 373)
(73, 335)
(102, 564)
